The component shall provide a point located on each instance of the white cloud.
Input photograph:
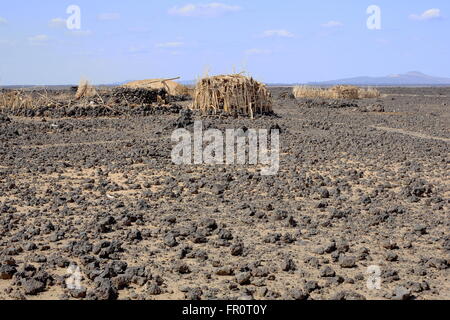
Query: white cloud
(256, 51)
(40, 39)
(332, 24)
(427, 15)
(108, 16)
(212, 9)
(170, 45)
(278, 33)
(57, 23)
(3, 21)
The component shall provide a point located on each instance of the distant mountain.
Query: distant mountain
(413, 78)
(186, 83)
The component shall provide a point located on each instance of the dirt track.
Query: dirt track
(103, 193)
(412, 134)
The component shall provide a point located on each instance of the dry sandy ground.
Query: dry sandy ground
(354, 190)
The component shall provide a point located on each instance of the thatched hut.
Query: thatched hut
(172, 87)
(345, 92)
(234, 94)
(336, 92)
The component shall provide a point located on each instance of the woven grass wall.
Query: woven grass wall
(234, 94)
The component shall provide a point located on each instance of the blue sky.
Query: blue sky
(275, 41)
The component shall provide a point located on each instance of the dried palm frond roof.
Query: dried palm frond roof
(172, 87)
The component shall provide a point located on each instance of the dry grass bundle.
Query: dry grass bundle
(236, 94)
(172, 87)
(336, 92)
(16, 99)
(84, 90)
(309, 92)
(344, 92)
(369, 93)
(11, 100)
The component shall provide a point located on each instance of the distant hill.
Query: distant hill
(413, 78)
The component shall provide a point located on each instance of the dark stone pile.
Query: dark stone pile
(135, 96)
(330, 104)
(78, 111)
(114, 102)
(185, 119)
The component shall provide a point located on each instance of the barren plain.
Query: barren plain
(362, 184)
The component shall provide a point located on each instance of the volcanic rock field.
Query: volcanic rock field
(363, 185)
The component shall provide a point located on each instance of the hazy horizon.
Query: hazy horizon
(288, 42)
